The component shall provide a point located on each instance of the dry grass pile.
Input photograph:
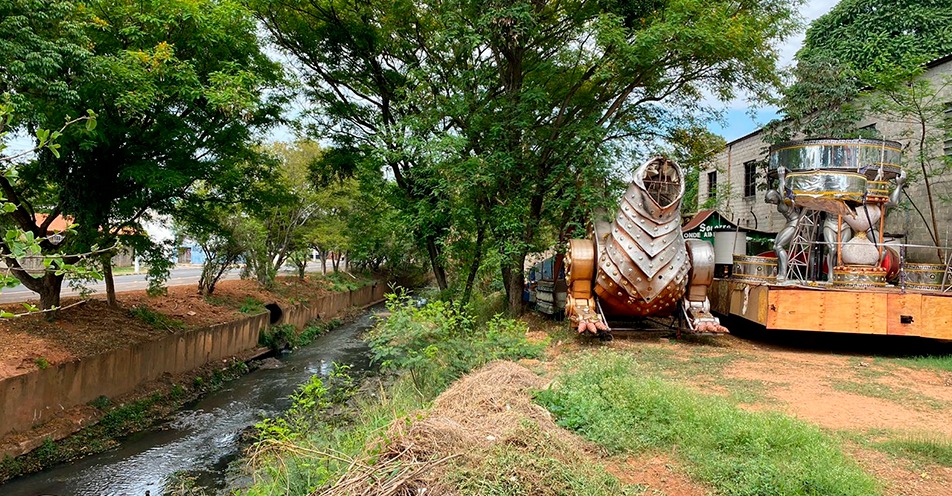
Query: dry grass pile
(484, 411)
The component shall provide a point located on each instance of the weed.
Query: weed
(177, 391)
(47, 450)
(102, 402)
(929, 449)
(42, 363)
(251, 306)
(737, 452)
(198, 381)
(438, 343)
(278, 337)
(156, 319)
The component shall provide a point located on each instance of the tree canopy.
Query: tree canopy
(874, 35)
(500, 121)
(859, 45)
(180, 88)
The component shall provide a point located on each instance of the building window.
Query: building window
(711, 184)
(750, 178)
(947, 144)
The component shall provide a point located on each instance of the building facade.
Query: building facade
(735, 182)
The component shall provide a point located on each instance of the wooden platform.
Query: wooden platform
(886, 311)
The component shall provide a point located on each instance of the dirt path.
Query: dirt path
(862, 399)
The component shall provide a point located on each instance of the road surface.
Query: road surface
(181, 276)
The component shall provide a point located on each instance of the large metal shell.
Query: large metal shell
(863, 156)
(643, 266)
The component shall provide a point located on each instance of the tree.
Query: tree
(903, 96)
(286, 212)
(34, 256)
(875, 35)
(180, 88)
(847, 53)
(513, 111)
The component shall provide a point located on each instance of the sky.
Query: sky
(740, 117)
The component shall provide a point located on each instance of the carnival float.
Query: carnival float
(833, 267)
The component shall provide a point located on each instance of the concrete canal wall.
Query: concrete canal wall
(33, 398)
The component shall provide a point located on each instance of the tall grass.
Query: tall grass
(736, 452)
(929, 449)
(316, 441)
(941, 363)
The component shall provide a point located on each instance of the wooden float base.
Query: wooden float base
(883, 311)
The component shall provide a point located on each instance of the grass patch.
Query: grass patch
(923, 448)
(736, 452)
(251, 306)
(939, 363)
(888, 393)
(438, 343)
(156, 319)
(707, 369)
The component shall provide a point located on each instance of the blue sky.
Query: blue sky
(739, 118)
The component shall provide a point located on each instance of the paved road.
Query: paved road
(181, 276)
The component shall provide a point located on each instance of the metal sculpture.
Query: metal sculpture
(639, 264)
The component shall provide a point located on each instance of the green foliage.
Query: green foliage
(314, 329)
(278, 337)
(251, 305)
(156, 319)
(101, 402)
(499, 122)
(181, 88)
(877, 35)
(859, 46)
(928, 449)
(341, 282)
(940, 363)
(737, 452)
(41, 363)
(307, 403)
(438, 343)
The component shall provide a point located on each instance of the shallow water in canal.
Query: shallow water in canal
(202, 438)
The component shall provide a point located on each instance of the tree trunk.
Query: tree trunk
(323, 262)
(335, 261)
(514, 280)
(49, 291)
(474, 267)
(438, 271)
(108, 279)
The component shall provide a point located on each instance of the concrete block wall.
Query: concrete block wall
(31, 399)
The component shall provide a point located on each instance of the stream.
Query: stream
(203, 437)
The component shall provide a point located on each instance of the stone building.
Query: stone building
(736, 177)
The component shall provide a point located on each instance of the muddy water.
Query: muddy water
(202, 438)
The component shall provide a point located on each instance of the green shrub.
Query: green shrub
(278, 337)
(735, 451)
(42, 363)
(438, 343)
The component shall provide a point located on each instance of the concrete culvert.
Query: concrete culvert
(276, 312)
